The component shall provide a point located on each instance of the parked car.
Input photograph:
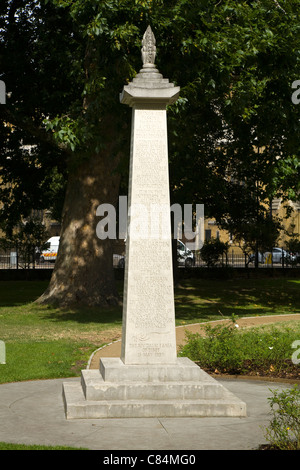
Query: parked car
(276, 256)
(261, 258)
(50, 253)
(118, 261)
(185, 257)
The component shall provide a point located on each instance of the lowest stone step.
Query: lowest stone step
(77, 407)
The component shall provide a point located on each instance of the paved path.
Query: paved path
(33, 413)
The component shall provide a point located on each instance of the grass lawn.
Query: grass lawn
(8, 446)
(202, 299)
(46, 342)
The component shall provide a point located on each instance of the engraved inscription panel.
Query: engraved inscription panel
(149, 331)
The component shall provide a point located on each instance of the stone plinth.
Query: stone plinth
(134, 391)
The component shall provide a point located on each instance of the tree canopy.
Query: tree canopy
(233, 133)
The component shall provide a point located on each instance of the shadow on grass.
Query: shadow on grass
(195, 300)
(24, 293)
(199, 300)
(84, 315)
(202, 298)
(14, 293)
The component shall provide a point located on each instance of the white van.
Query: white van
(50, 253)
(185, 256)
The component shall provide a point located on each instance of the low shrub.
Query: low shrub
(283, 433)
(227, 349)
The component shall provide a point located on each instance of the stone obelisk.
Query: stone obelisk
(148, 317)
(148, 380)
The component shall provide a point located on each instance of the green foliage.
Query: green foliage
(218, 349)
(293, 245)
(66, 61)
(258, 233)
(212, 250)
(283, 433)
(226, 349)
(32, 177)
(25, 239)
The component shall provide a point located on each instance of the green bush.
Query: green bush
(212, 250)
(219, 348)
(230, 350)
(284, 430)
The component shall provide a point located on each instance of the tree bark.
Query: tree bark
(83, 272)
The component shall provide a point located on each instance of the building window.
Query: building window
(207, 234)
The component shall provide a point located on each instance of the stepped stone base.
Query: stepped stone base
(134, 391)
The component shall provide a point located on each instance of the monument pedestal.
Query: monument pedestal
(148, 380)
(134, 391)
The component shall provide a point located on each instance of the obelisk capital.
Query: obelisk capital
(149, 85)
(149, 48)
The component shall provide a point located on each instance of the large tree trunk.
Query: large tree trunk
(83, 272)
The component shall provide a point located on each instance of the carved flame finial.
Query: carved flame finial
(149, 48)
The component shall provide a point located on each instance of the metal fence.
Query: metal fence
(244, 261)
(13, 260)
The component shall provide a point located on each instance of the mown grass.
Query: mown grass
(206, 299)
(12, 446)
(47, 342)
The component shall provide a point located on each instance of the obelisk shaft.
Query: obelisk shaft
(148, 307)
